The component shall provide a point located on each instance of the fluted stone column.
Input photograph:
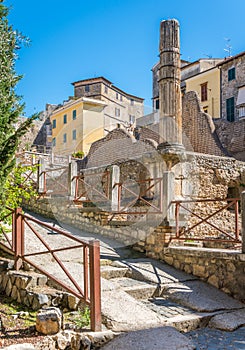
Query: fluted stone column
(170, 123)
(169, 82)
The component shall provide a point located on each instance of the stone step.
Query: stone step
(108, 272)
(200, 296)
(137, 289)
(121, 312)
(164, 338)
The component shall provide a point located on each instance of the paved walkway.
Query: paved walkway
(145, 295)
(213, 339)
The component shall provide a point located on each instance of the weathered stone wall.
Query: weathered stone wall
(232, 136)
(31, 289)
(91, 219)
(214, 177)
(201, 177)
(28, 139)
(224, 270)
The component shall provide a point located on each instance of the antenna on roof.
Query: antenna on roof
(208, 56)
(228, 46)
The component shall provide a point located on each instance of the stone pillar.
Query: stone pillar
(170, 122)
(243, 220)
(169, 82)
(168, 196)
(115, 178)
(41, 176)
(72, 173)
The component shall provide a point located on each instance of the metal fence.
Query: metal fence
(89, 292)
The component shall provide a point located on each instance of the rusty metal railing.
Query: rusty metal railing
(145, 196)
(183, 233)
(6, 239)
(85, 190)
(58, 187)
(91, 291)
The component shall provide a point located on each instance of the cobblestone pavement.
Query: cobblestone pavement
(167, 308)
(213, 339)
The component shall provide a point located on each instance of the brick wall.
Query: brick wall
(198, 127)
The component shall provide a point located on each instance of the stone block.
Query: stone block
(169, 260)
(39, 300)
(214, 280)
(49, 321)
(231, 267)
(150, 239)
(72, 302)
(4, 281)
(42, 280)
(14, 293)
(9, 286)
(199, 271)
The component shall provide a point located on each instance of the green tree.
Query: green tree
(11, 105)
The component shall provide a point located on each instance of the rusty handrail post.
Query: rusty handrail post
(236, 219)
(161, 195)
(243, 220)
(95, 289)
(18, 238)
(85, 264)
(13, 230)
(177, 218)
(76, 188)
(119, 196)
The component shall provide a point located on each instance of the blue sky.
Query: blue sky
(77, 39)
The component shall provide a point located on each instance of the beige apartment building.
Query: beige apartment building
(76, 125)
(121, 107)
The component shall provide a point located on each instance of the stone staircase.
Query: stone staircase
(144, 293)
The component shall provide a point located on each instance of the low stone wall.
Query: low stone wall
(31, 289)
(94, 220)
(223, 269)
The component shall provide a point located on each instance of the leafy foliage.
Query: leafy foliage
(78, 154)
(11, 107)
(19, 185)
(81, 318)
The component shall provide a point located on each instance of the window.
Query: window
(157, 104)
(230, 109)
(117, 112)
(132, 102)
(121, 98)
(65, 118)
(131, 119)
(205, 109)
(48, 130)
(231, 74)
(74, 134)
(204, 92)
(116, 95)
(74, 114)
(54, 124)
(54, 142)
(64, 138)
(87, 88)
(241, 112)
(106, 89)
